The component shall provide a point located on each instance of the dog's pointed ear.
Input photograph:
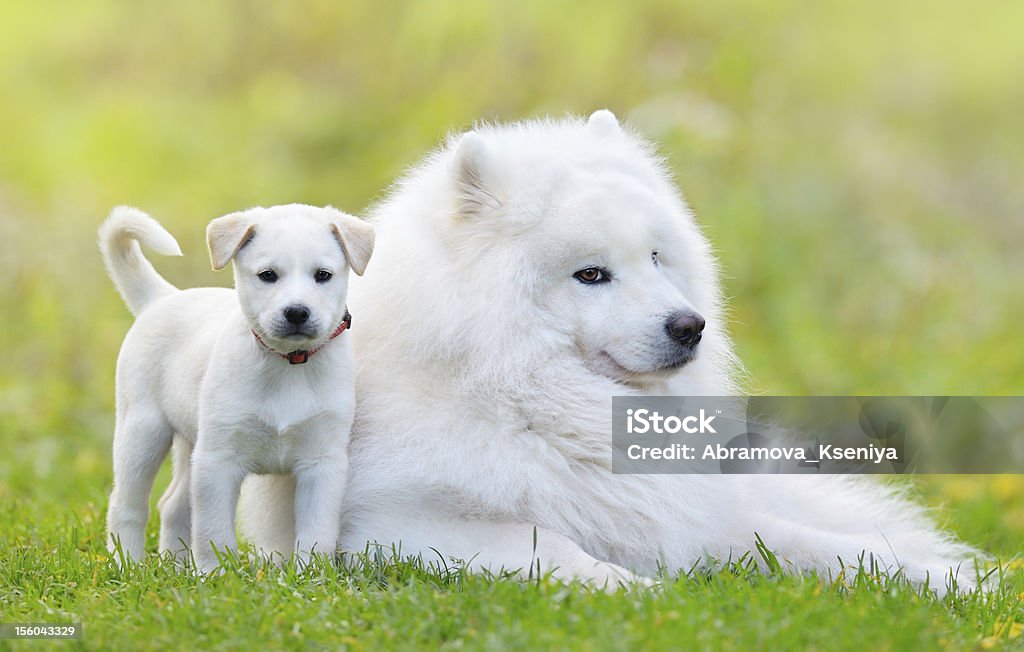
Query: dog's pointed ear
(603, 123)
(355, 236)
(474, 176)
(226, 235)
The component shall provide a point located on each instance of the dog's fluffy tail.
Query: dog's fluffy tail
(133, 275)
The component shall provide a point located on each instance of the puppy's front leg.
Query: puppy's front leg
(216, 482)
(319, 494)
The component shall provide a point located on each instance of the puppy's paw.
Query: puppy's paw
(124, 554)
(207, 564)
(301, 558)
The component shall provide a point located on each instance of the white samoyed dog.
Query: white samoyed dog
(524, 275)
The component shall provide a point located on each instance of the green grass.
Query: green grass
(856, 165)
(361, 603)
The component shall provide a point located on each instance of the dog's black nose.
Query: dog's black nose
(296, 314)
(685, 327)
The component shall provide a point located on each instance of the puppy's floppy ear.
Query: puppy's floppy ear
(226, 235)
(355, 237)
(603, 122)
(474, 176)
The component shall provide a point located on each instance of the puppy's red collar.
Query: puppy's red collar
(300, 357)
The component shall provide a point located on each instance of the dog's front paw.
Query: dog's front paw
(611, 577)
(605, 576)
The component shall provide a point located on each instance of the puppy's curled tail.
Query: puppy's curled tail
(133, 275)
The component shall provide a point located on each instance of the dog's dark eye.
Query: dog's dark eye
(654, 258)
(268, 276)
(322, 276)
(591, 275)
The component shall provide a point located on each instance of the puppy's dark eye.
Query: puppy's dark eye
(322, 276)
(268, 276)
(592, 275)
(654, 258)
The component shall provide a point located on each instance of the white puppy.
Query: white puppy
(242, 382)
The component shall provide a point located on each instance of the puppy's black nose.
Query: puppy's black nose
(296, 314)
(685, 327)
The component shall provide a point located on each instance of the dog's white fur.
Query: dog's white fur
(486, 372)
(192, 372)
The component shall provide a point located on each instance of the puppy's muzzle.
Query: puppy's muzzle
(296, 315)
(302, 356)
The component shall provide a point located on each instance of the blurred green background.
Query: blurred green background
(858, 166)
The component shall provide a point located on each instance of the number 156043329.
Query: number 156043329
(40, 630)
